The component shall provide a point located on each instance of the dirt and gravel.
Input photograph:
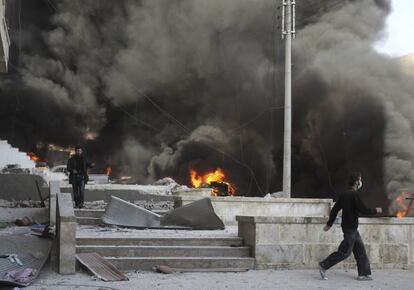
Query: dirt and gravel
(260, 280)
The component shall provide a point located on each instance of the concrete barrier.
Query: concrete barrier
(65, 233)
(227, 208)
(300, 242)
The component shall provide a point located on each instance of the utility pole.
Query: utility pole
(288, 33)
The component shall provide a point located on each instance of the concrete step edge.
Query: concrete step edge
(159, 238)
(159, 247)
(180, 258)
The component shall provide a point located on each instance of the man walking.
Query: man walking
(351, 206)
(78, 175)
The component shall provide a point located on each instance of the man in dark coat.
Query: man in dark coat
(351, 206)
(78, 175)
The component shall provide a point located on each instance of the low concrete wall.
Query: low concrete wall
(65, 233)
(21, 186)
(300, 242)
(227, 208)
(196, 193)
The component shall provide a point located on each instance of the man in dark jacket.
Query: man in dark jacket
(78, 175)
(351, 206)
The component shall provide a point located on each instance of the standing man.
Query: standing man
(351, 206)
(78, 175)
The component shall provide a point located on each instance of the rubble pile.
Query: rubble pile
(21, 203)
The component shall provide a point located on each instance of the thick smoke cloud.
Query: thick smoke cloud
(165, 85)
(363, 96)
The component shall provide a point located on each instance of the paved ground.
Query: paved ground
(261, 280)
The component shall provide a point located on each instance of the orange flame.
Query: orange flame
(33, 156)
(209, 177)
(109, 170)
(401, 202)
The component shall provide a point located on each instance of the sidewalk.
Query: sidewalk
(260, 280)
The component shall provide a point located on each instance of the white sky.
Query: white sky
(399, 40)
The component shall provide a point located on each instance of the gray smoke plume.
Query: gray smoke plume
(363, 95)
(168, 85)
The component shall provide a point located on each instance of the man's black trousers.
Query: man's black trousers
(78, 186)
(352, 243)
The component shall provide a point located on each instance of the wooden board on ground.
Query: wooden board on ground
(103, 269)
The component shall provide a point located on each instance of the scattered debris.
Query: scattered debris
(25, 221)
(168, 270)
(24, 257)
(21, 203)
(210, 269)
(166, 181)
(279, 194)
(103, 269)
(23, 276)
(163, 269)
(45, 231)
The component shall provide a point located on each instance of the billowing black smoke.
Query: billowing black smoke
(165, 85)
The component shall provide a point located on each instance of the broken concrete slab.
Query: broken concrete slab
(198, 215)
(123, 213)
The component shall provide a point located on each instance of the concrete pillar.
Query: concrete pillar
(65, 234)
(53, 190)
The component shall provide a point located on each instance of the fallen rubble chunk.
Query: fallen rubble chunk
(163, 269)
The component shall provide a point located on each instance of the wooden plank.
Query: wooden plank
(100, 267)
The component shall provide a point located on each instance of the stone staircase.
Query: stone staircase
(144, 249)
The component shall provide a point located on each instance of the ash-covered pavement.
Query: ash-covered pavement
(266, 279)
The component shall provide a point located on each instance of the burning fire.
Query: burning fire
(216, 176)
(401, 202)
(109, 170)
(33, 156)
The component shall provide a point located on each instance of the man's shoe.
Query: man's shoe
(364, 278)
(80, 205)
(322, 272)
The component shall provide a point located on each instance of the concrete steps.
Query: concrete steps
(143, 263)
(160, 241)
(142, 250)
(186, 251)
(164, 251)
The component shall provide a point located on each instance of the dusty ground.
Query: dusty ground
(269, 279)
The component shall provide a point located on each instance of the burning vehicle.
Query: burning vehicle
(216, 180)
